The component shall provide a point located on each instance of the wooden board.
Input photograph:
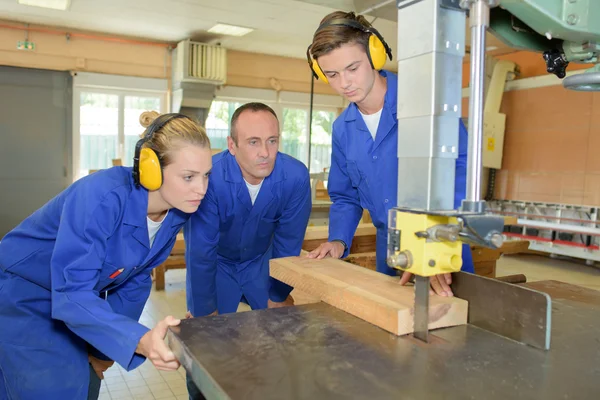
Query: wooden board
(369, 295)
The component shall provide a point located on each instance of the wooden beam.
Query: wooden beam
(369, 295)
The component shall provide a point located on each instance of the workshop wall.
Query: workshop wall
(551, 146)
(271, 72)
(123, 56)
(551, 139)
(88, 52)
(551, 133)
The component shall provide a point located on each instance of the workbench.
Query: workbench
(316, 351)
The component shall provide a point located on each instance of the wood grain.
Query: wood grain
(369, 295)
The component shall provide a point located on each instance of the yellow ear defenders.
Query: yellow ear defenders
(147, 167)
(377, 51)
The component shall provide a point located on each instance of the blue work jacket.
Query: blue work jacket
(74, 278)
(364, 174)
(229, 241)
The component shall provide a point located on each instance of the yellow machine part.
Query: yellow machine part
(428, 257)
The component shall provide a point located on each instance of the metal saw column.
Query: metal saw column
(431, 36)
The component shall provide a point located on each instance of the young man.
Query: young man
(349, 54)
(256, 208)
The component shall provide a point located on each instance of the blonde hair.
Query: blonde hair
(173, 135)
(332, 37)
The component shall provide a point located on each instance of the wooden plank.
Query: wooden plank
(514, 246)
(485, 268)
(179, 246)
(483, 254)
(369, 295)
(159, 277)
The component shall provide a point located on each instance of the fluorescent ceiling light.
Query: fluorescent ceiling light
(231, 30)
(54, 4)
(491, 48)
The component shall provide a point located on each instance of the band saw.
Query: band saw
(534, 340)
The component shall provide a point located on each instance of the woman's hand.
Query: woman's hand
(152, 346)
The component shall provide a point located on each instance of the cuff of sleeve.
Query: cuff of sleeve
(346, 249)
(131, 359)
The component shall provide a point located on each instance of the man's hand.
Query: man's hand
(440, 284)
(153, 347)
(287, 302)
(331, 249)
(99, 366)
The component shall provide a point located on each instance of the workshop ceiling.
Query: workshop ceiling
(281, 27)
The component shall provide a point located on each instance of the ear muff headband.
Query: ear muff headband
(147, 168)
(377, 51)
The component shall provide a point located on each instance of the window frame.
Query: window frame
(278, 107)
(122, 86)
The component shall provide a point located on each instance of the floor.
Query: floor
(148, 383)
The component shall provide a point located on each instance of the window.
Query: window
(109, 127)
(320, 141)
(295, 133)
(217, 123)
(99, 130)
(106, 113)
(134, 107)
(294, 137)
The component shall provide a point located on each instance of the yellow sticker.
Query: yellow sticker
(491, 144)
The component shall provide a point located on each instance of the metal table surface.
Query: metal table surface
(319, 352)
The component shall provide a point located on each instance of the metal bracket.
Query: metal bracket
(405, 3)
(452, 4)
(512, 311)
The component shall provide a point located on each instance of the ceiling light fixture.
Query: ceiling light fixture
(231, 30)
(62, 5)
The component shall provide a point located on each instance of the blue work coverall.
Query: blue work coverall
(229, 241)
(364, 174)
(74, 278)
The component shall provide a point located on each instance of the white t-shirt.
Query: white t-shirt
(153, 228)
(372, 121)
(253, 190)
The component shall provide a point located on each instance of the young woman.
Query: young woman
(75, 275)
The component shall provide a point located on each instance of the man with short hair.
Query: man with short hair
(349, 54)
(256, 208)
